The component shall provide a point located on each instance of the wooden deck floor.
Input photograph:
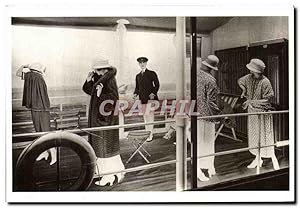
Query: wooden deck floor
(163, 178)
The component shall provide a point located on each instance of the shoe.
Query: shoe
(150, 138)
(44, 155)
(211, 172)
(106, 180)
(120, 177)
(254, 164)
(167, 137)
(201, 176)
(52, 153)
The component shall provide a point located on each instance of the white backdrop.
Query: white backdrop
(68, 53)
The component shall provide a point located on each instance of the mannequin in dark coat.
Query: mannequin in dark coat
(101, 85)
(35, 98)
(108, 144)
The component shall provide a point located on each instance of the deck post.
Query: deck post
(180, 141)
(193, 88)
(258, 145)
(60, 113)
(121, 122)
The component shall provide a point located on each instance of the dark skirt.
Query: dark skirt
(106, 143)
(41, 120)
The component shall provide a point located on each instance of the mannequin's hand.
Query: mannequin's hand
(135, 96)
(151, 96)
(90, 75)
(99, 90)
(246, 104)
(243, 95)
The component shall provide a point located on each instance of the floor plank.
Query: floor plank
(163, 178)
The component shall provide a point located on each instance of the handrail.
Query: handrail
(92, 129)
(103, 128)
(188, 159)
(228, 152)
(243, 114)
(52, 121)
(56, 97)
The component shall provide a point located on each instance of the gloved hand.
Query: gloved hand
(90, 76)
(246, 104)
(135, 96)
(151, 96)
(99, 90)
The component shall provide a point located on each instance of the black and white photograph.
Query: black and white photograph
(129, 104)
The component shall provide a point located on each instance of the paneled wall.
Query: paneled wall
(231, 68)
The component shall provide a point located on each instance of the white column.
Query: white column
(180, 141)
(121, 43)
(121, 35)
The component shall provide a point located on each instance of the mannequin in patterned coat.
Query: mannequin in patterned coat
(207, 96)
(258, 90)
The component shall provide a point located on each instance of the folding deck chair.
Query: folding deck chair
(138, 139)
(231, 100)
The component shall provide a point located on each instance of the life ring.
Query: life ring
(24, 168)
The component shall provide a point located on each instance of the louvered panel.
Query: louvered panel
(231, 68)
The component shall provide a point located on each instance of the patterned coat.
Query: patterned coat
(106, 143)
(207, 95)
(260, 127)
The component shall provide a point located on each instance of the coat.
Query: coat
(260, 128)
(207, 95)
(105, 143)
(146, 83)
(35, 97)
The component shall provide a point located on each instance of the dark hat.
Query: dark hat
(142, 59)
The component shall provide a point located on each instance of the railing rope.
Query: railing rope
(52, 121)
(103, 128)
(92, 129)
(243, 114)
(55, 97)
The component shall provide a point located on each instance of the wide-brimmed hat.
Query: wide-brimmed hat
(100, 63)
(142, 59)
(212, 62)
(38, 67)
(256, 65)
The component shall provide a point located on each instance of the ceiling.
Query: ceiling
(204, 24)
